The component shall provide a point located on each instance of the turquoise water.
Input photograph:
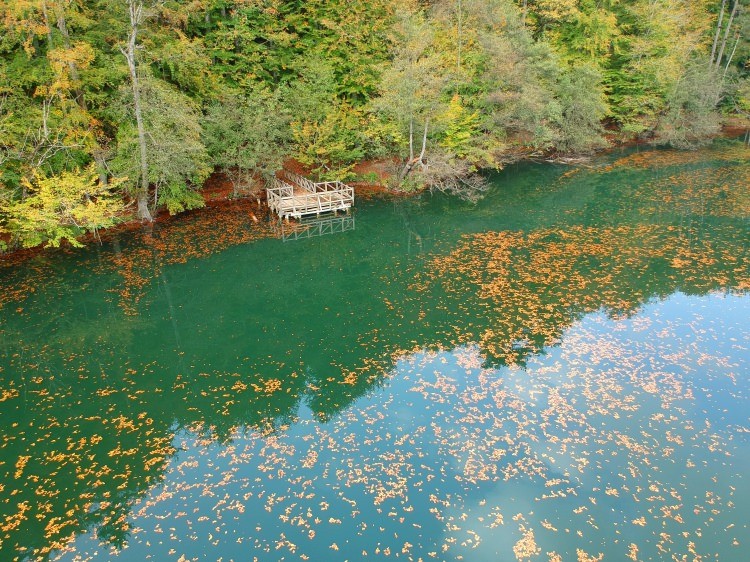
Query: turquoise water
(558, 372)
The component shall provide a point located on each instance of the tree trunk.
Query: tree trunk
(135, 9)
(726, 34)
(731, 56)
(411, 139)
(458, 38)
(63, 27)
(718, 32)
(47, 24)
(101, 166)
(412, 162)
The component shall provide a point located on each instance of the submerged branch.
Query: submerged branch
(455, 177)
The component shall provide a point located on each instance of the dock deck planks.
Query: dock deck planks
(295, 196)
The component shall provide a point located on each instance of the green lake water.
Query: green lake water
(560, 372)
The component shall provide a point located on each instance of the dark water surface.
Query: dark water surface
(557, 373)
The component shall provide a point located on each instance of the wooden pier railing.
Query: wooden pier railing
(295, 196)
(301, 181)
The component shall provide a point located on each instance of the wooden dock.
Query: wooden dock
(292, 195)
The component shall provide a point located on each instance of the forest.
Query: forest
(117, 110)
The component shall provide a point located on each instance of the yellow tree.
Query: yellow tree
(61, 207)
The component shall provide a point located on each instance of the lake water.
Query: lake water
(560, 372)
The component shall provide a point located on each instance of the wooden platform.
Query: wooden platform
(291, 195)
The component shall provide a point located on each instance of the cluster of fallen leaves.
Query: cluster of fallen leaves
(698, 193)
(192, 236)
(668, 158)
(83, 470)
(204, 234)
(529, 287)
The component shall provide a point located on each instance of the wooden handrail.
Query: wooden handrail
(308, 198)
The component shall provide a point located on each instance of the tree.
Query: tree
(410, 91)
(326, 129)
(61, 207)
(178, 163)
(690, 117)
(660, 40)
(49, 125)
(742, 103)
(266, 41)
(516, 78)
(136, 14)
(729, 61)
(724, 32)
(247, 136)
(69, 61)
(580, 98)
(461, 129)
(332, 145)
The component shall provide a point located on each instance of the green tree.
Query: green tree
(45, 81)
(660, 41)
(461, 129)
(137, 14)
(411, 88)
(690, 116)
(247, 136)
(332, 144)
(580, 98)
(326, 130)
(178, 163)
(266, 41)
(515, 76)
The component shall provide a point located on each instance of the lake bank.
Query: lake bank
(218, 189)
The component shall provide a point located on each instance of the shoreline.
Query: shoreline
(217, 191)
